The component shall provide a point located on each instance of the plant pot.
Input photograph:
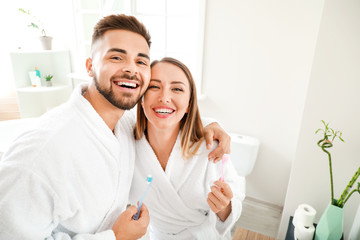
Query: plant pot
(48, 83)
(46, 42)
(330, 226)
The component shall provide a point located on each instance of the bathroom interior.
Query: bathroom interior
(270, 72)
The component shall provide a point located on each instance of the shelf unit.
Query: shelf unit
(34, 101)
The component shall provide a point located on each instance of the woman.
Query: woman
(186, 200)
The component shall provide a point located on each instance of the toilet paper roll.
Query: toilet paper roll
(304, 233)
(304, 216)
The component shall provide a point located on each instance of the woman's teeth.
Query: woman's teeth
(164, 111)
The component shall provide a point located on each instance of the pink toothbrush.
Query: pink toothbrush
(223, 160)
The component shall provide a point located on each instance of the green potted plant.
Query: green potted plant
(46, 41)
(48, 80)
(331, 222)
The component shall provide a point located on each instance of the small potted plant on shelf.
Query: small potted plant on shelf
(48, 80)
(46, 41)
(330, 225)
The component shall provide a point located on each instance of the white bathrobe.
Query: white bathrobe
(177, 197)
(69, 178)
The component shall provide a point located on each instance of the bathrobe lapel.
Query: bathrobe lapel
(117, 148)
(170, 209)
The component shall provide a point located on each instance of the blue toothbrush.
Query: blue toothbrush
(148, 180)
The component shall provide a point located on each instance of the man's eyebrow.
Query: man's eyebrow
(144, 55)
(124, 52)
(117, 50)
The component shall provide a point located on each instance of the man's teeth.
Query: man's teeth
(127, 84)
(164, 111)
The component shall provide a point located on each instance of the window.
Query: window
(176, 27)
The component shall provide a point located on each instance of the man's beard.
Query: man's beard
(125, 102)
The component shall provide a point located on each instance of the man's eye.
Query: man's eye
(116, 58)
(142, 63)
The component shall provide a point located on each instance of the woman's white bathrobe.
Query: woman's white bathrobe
(177, 197)
(69, 178)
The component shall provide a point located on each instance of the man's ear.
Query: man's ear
(89, 67)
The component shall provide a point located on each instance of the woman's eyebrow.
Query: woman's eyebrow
(173, 82)
(155, 80)
(177, 82)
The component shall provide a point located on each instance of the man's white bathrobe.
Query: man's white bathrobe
(69, 178)
(177, 197)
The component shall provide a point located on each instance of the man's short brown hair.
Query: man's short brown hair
(120, 22)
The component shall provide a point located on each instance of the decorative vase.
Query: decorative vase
(330, 226)
(46, 42)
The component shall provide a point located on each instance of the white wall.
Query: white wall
(257, 60)
(355, 229)
(57, 17)
(333, 95)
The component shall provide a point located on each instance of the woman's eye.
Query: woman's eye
(178, 89)
(153, 86)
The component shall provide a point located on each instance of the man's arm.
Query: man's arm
(213, 131)
(29, 209)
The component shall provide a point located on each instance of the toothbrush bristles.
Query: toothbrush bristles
(149, 178)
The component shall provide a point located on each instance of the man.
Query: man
(69, 177)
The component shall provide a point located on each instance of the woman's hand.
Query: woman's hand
(219, 199)
(212, 132)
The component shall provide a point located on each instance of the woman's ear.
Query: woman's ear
(89, 67)
(142, 101)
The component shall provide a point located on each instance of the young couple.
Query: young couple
(70, 177)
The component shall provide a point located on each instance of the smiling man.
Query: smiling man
(69, 177)
(122, 71)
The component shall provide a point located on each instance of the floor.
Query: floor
(243, 234)
(9, 108)
(259, 217)
(259, 220)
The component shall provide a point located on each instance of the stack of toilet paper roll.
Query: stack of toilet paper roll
(303, 222)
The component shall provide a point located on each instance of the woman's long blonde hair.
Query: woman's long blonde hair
(192, 130)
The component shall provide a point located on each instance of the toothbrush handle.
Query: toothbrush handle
(222, 171)
(137, 215)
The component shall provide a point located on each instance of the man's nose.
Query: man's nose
(130, 68)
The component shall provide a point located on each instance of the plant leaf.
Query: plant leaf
(33, 25)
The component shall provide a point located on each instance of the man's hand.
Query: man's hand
(125, 228)
(212, 132)
(219, 199)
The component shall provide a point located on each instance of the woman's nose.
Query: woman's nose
(165, 97)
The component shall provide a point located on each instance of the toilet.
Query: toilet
(244, 151)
